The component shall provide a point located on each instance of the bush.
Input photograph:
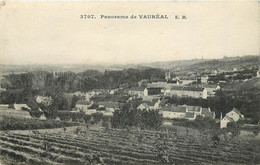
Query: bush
(13, 123)
(233, 128)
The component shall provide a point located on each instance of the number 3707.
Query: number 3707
(87, 17)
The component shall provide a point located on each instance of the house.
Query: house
(214, 72)
(185, 112)
(86, 111)
(58, 119)
(2, 89)
(174, 81)
(21, 107)
(143, 106)
(192, 111)
(211, 89)
(152, 91)
(107, 113)
(195, 109)
(189, 91)
(43, 117)
(188, 80)
(154, 104)
(143, 82)
(224, 121)
(113, 91)
(173, 112)
(111, 106)
(165, 85)
(151, 98)
(90, 111)
(78, 93)
(204, 79)
(99, 92)
(139, 91)
(83, 104)
(233, 116)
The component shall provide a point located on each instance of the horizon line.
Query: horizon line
(130, 63)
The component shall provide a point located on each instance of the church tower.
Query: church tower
(167, 75)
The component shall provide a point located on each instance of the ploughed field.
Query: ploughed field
(116, 146)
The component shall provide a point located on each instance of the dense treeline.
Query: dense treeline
(130, 116)
(21, 87)
(72, 82)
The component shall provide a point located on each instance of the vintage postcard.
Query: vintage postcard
(129, 82)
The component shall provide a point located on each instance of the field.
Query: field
(93, 145)
(5, 111)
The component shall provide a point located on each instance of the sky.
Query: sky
(53, 33)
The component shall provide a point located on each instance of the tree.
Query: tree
(256, 130)
(129, 116)
(205, 124)
(151, 119)
(233, 128)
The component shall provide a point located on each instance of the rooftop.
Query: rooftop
(194, 108)
(174, 109)
(137, 89)
(83, 102)
(109, 104)
(187, 88)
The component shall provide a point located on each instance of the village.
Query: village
(155, 96)
(131, 116)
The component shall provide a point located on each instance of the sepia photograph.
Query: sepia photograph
(129, 82)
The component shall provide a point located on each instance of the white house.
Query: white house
(99, 92)
(233, 116)
(137, 91)
(189, 91)
(187, 81)
(112, 91)
(21, 107)
(83, 104)
(58, 119)
(186, 112)
(211, 89)
(43, 117)
(224, 121)
(204, 79)
(172, 112)
(111, 106)
(90, 111)
(143, 106)
(154, 104)
(165, 86)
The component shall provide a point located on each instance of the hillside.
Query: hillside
(179, 66)
(184, 66)
(254, 83)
